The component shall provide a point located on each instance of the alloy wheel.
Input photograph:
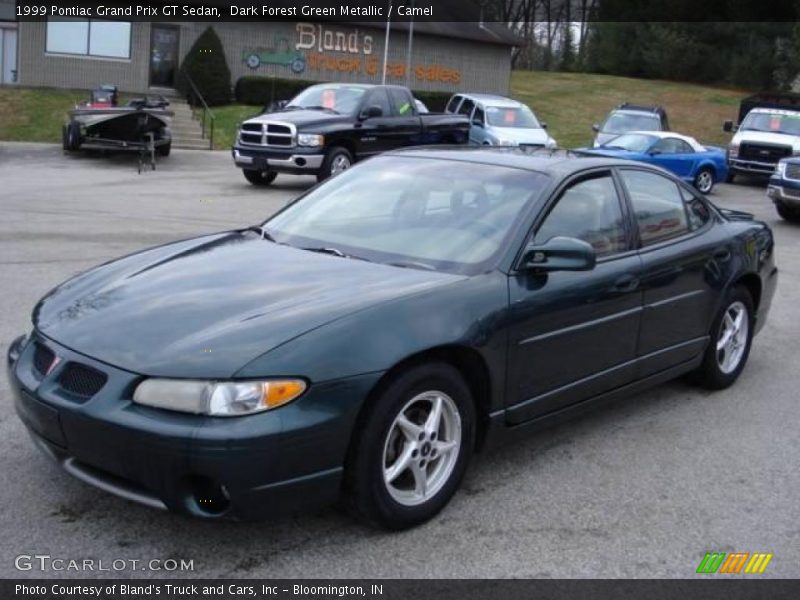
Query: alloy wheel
(422, 448)
(340, 163)
(705, 181)
(732, 339)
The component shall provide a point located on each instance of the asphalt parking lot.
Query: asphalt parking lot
(643, 488)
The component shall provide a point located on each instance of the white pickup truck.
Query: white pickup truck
(765, 135)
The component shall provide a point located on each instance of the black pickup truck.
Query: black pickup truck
(327, 127)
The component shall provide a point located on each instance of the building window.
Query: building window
(108, 39)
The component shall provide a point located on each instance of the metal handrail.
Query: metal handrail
(208, 115)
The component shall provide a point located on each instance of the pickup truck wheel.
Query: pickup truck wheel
(704, 180)
(787, 213)
(259, 177)
(337, 159)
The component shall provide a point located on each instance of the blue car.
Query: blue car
(702, 166)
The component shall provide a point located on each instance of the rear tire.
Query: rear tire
(731, 338)
(787, 213)
(704, 180)
(405, 463)
(337, 160)
(260, 178)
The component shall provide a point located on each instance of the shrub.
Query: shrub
(206, 65)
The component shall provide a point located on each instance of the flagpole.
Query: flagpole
(386, 43)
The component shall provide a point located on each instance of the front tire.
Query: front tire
(260, 178)
(704, 180)
(411, 448)
(337, 160)
(731, 338)
(787, 213)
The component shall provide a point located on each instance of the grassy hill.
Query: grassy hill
(571, 102)
(568, 102)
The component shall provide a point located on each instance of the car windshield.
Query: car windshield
(520, 117)
(772, 122)
(632, 142)
(425, 213)
(620, 122)
(339, 98)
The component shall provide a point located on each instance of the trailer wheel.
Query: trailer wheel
(260, 178)
(164, 150)
(72, 139)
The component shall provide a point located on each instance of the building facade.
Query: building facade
(142, 56)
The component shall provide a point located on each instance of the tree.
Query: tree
(207, 67)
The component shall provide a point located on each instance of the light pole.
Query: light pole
(386, 43)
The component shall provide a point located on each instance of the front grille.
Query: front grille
(769, 153)
(791, 193)
(281, 135)
(43, 359)
(793, 171)
(80, 380)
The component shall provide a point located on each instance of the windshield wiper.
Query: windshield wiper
(336, 112)
(335, 252)
(265, 235)
(411, 264)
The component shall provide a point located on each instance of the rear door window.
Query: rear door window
(658, 206)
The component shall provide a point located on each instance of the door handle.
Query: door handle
(626, 283)
(722, 254)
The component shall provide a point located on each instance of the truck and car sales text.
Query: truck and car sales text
(235, 10)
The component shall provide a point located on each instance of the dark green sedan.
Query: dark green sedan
(363, 342)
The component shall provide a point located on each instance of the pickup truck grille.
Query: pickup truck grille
(792, 171)
(270, 134)
(769, 153)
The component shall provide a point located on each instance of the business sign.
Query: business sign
(336, 50)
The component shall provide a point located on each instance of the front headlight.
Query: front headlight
(310, 139)
(780, 169)
(550, 144)
(502, 142)
(733, 150)
(218, 398)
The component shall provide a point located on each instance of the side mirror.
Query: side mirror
(477, 122)
(729, 127)
(559, 254)
(371, 112)
(654, 152)
(596, 128)
(543, 124)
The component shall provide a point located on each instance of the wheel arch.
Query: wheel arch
(341, 142)
(752, 283)
(470, 364)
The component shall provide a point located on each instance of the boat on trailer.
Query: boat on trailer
(142, 124)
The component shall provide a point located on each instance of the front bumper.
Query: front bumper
(294, 161)
(785, 191)
(751, 166)
(283, 461)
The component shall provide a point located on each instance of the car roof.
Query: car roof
(557, 163)
(774, 111)
(491, 99)
(697, 146)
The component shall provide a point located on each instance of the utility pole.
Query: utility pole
(386, 43)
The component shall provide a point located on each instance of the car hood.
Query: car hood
(767, 137)
(208, 306)
(302, 118)
(520, 135)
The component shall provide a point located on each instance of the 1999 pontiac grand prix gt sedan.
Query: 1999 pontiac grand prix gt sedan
(362, 342)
